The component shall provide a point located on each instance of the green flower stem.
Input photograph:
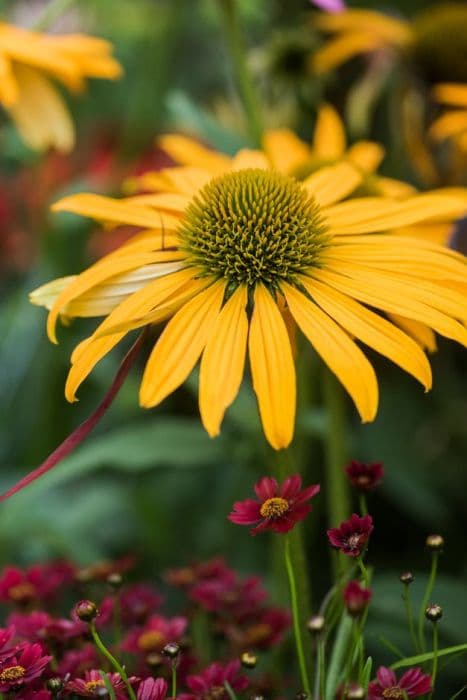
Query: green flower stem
(320, 675)
(363, 571)
(234, 38)
(51, 13)
(229, 689)
(111, 659)
(297, 619)
(363, 504)
(434, 668)
(426, 598)
(336, 455)
(410, 620)
(174, 679)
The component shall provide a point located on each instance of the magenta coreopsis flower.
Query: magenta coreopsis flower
(27, 664)
(39, 582)
(277, 509)
(365, 477)
(264, 630)
(152, 689)
(352, 535)
(412, 684)
(154, 635)
(136, 602)
(330, 5)
(75, 662)
(229, 596)
(210, 682)
(356, 598)
(92, 685)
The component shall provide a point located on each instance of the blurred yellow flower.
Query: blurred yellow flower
(453, 124)
(28, 62)
(233, 256)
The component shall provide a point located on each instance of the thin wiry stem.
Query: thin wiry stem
(297, 622)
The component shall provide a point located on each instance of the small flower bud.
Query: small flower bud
(171, 651)
(54, 685)
(406, 577)
(154, 660)
(115, 581)
(248, 660)
(301, 695)
(434, 612)
(85, 610)
(315, 624)
(435, 543)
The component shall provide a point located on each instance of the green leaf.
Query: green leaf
(339, 650)
(366, 673)
(421, 658)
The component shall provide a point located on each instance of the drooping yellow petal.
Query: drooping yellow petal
(180, 345)
(272, 369)
(422, 335)
(373, 330)
(247, 158)
(366, 155)
(188, 151)
(223, 362)
(337, 51)
(329, 141)
(451, 94)
(343, 357)
(389, 28)
(285, 150)
(370, 289)
(448, 125)
(39, 112)
(333, 183)
(117, 211)
(373, 214)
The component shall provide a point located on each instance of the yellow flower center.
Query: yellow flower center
(253, 226)
(13, 673)
(22, 591)
(215, 693)
(274, 507)
(394, 693)
(257, 633)
(440, 44)
(93, 685)
(152, 639)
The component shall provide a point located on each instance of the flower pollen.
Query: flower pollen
(152, 639)
(393, 693)
(274, 507)
(13, 673)
(93, 685)
(251, 226)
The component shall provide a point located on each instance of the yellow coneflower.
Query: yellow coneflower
(28, 62)
(453, 124)
(225, 258)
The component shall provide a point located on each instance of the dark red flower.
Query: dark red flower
(210, 683)
(277, 509)
(136, 603)
(200, 571)
(152, 689)
(264, 631)
(356, 598)
(91, 685)
(6, 649)
(76, 661)
(352, 535)
(23, 667)
(39, 582)
(154, 635)
(412, 684)
(230, 596)
(365, 477)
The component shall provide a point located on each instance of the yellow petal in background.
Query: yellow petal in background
(331, 184)
(329, 140)
(188, 151)
(272, 369)
(223, 362)
(422, 335)
(180, 345)
(366, 155)
(343, 357)
(285, 150)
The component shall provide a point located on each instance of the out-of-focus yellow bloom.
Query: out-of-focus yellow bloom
(452, 125)
(231, 255)
(29, 61)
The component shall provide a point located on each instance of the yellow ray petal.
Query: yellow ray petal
(366, 155)
(187, 151)
(450, 124)
(373, 330)
(373, 214)
(371, 290)
(247, 158)
(338, 51)
(180, 345)
(329, 141)
(39, 112)
(285, 150)
(422, 335)
(223, 362)
(9, 89)
(337, 350)
(395, 189)
(376, 23)
(272, 369)
(185, 179)
(169, 201)
(117, 211)
(451, 94)
(331, 184)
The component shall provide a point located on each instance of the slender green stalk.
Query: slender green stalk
(174, 679)
(229, 689)
(364, 571)
(320, 675)
(363, 504)
(336, 455)
(51, 13)
(434, 668)
(234, 38)
(410, 620)
(297, 621)
(111, 659)
(426, 598)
